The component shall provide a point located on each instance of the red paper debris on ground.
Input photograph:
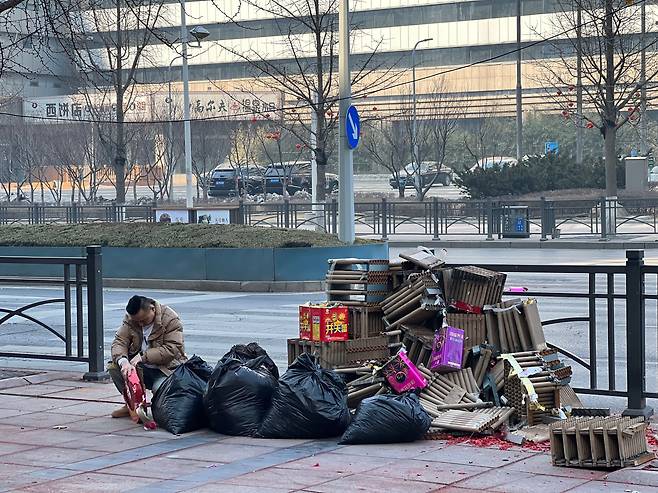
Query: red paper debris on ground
(495, 441)
(652, 440)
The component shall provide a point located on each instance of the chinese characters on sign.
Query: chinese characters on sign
(232, 106)
(66, 108)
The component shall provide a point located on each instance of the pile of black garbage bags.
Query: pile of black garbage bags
(244, 396)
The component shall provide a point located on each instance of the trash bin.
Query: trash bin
(515, 221)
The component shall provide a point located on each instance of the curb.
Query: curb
(228, 286)
(593, 244)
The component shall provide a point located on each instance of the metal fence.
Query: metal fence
(435, 218)
(618, 308)
(79, 274)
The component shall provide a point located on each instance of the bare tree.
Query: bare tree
(482, 136)
(610, 52)
(244, 145)
(305, 68)
(211, 146)
(280, 154)
(122, 30)
(388, 144)
(442, 112)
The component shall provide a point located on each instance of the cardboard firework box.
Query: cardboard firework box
(447, 350)
(305, 322)
(323, 323)
(402, 374)
(329, 324)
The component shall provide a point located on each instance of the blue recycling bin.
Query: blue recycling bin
(515, 221)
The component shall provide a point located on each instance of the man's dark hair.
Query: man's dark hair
(137, 303)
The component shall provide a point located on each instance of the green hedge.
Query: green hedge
(156, 235)
(536, 174)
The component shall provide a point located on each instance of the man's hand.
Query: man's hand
(136, 360)
(126, 367)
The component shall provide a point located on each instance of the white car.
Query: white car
(491, 162)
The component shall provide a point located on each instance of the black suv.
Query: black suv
(428, 171)
(225, 180)
(296, 176)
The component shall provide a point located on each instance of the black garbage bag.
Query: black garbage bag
(177, 405)
(310, 402)
(239, 394)
(247, 352)
(388, 419)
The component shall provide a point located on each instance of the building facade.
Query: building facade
(471, 47)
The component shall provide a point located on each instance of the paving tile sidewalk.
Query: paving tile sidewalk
(56, 436)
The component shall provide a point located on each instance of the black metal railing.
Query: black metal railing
(434, 218)
(611, 289)
(81, 278)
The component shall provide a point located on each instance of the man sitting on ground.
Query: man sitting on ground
(149, 341)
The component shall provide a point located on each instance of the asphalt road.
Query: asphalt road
(216, 321)
(371, 183)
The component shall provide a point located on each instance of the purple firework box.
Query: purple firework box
(447, 350)
(402, 374)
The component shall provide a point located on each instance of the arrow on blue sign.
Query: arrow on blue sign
(352, 127)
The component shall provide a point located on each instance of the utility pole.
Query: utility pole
(519, 87)
(346, 232)
(579, 85)
(189, 193)
(644, 118)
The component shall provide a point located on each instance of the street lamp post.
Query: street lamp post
(414, 141)
(197, 33)
(170, 123)
(189, 198)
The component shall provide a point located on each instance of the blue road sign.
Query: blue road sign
(551, 147)
(352, 127)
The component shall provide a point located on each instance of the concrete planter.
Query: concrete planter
(199, 264)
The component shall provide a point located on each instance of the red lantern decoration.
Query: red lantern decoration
(570, 105)
(589, 125)
(298, 146)
(571, 88)
(565, 114)
(267, 115)
(254, 119)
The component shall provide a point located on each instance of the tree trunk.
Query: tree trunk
(610, 140)
(610, 112)
(120, 151)
(321, 160)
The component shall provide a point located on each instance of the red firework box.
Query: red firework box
(323, 323)
(305, 322)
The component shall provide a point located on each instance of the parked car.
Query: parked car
(296, 176)
(493, 161)
(223, 178)
(429, 173)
